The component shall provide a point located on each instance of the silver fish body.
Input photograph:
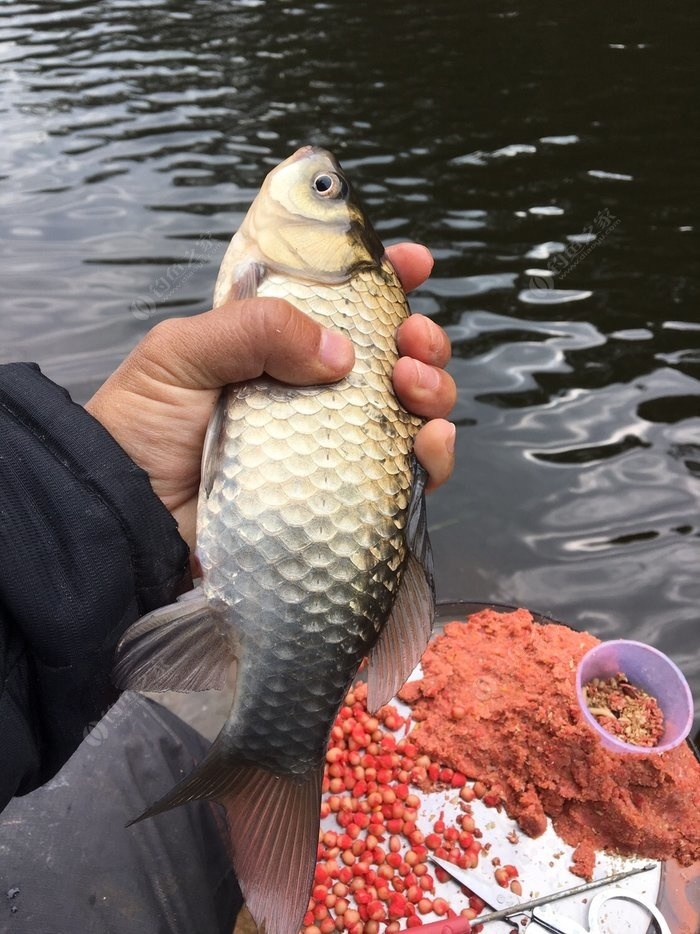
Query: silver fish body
(302, 532)
(311, 536)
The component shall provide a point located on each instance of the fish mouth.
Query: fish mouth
(306, 151)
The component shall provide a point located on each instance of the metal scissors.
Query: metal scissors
(514, 910)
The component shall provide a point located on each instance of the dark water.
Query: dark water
(505, 136)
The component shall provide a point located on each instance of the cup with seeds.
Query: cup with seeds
(634, 697)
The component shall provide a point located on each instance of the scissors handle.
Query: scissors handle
(557, 924)
(594, 911)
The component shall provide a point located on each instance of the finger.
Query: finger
(421, 338)
(413, 263)
(242, 340)
(424, 390)
(434, 447)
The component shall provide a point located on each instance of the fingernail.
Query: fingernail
(450, 440)
(428, 377)
(336, 351)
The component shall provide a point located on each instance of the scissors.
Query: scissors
(513, 910)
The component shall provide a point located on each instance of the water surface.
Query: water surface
(516, 140)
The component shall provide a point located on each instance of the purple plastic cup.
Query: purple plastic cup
(653, 672)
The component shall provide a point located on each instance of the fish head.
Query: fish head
(305, 222)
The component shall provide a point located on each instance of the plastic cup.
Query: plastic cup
(653, 672)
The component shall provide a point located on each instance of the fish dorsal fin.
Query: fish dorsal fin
(407, 631)
(417, 536)
(181, 647)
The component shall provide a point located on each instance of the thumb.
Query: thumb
(241, 340)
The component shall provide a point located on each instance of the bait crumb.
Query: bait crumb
(373, 871)
(523, 738)
(625, 710)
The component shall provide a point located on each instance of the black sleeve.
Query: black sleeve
(85, 549)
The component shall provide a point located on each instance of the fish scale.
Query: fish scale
(311, 536)
(312, 561)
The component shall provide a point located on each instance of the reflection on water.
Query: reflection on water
(543, 153)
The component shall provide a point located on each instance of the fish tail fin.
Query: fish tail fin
(273, 823)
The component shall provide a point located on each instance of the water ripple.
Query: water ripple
(546, 296)
(135, 131)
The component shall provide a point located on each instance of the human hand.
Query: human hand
(158, 402)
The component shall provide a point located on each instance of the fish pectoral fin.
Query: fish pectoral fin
(211, 452)
(185, 646)
(407, 631)
(273, 825)
(248, 280)
(244, 286)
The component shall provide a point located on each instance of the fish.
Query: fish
(311, 536)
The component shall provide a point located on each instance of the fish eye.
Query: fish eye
(329, 185)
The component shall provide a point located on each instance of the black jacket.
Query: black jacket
(85, 549)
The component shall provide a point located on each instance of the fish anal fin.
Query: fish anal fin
(273, 823)
(185, 646)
